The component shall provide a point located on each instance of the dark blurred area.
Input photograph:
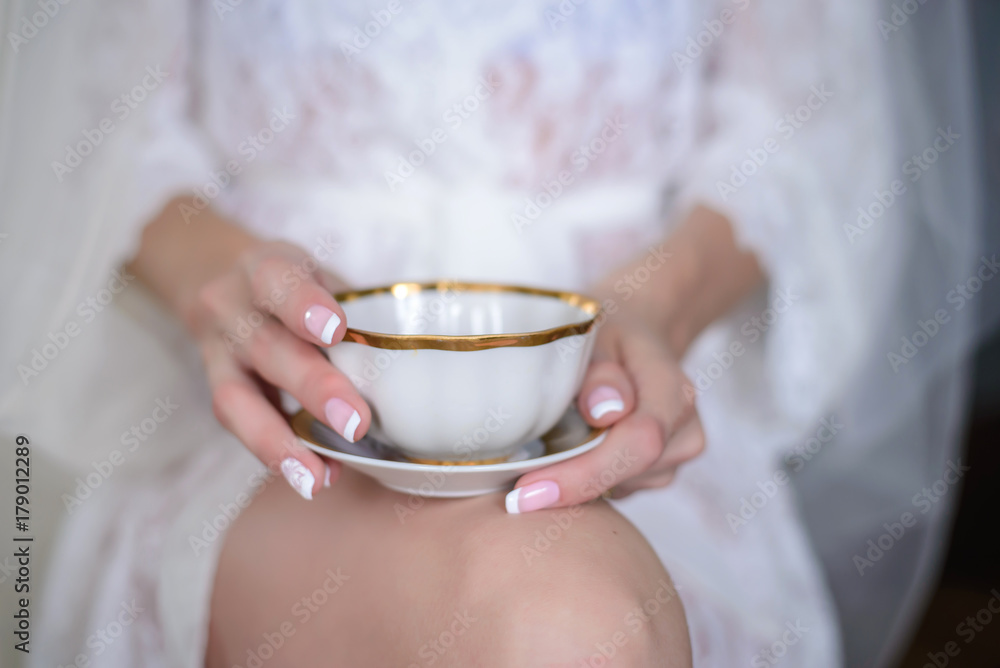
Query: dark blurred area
(959, 629)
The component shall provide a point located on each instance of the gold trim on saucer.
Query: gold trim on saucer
(588, 305)
(302, 421)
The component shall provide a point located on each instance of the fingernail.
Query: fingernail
(326, 478)
(605, 399)
(341, 416)
(531, 497)
(322, 323)
(299, 477)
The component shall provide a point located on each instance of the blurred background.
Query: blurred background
(971, 574)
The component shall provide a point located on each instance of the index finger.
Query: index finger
(284, 282)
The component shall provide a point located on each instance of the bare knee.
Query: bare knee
(575, 587)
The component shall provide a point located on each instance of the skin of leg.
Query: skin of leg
(363, 576)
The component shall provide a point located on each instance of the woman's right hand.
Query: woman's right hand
(260, 326)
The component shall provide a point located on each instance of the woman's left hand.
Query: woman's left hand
(634, 385)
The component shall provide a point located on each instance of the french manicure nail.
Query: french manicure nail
(326, 477)
(605, 399)
(532, 497)
(322, 323)
(341, 416)
(298, 476)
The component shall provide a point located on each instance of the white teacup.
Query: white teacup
(464, 372)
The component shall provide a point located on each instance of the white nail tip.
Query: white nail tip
(605, 407)
(352, 426)
(511, 501)
(299, 477)
(331, 326)
(326, 477)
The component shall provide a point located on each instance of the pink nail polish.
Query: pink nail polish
(532, 497)
(322, 323)
(603, 400)
(341, 416)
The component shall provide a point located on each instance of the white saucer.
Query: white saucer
(569, 438)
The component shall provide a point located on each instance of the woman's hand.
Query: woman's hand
(636, 387)
(260, 312)
(249, 357)
(661, 302)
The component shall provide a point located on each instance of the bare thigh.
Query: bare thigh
(362, 576)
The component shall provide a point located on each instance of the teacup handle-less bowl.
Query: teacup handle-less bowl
(465, 371)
